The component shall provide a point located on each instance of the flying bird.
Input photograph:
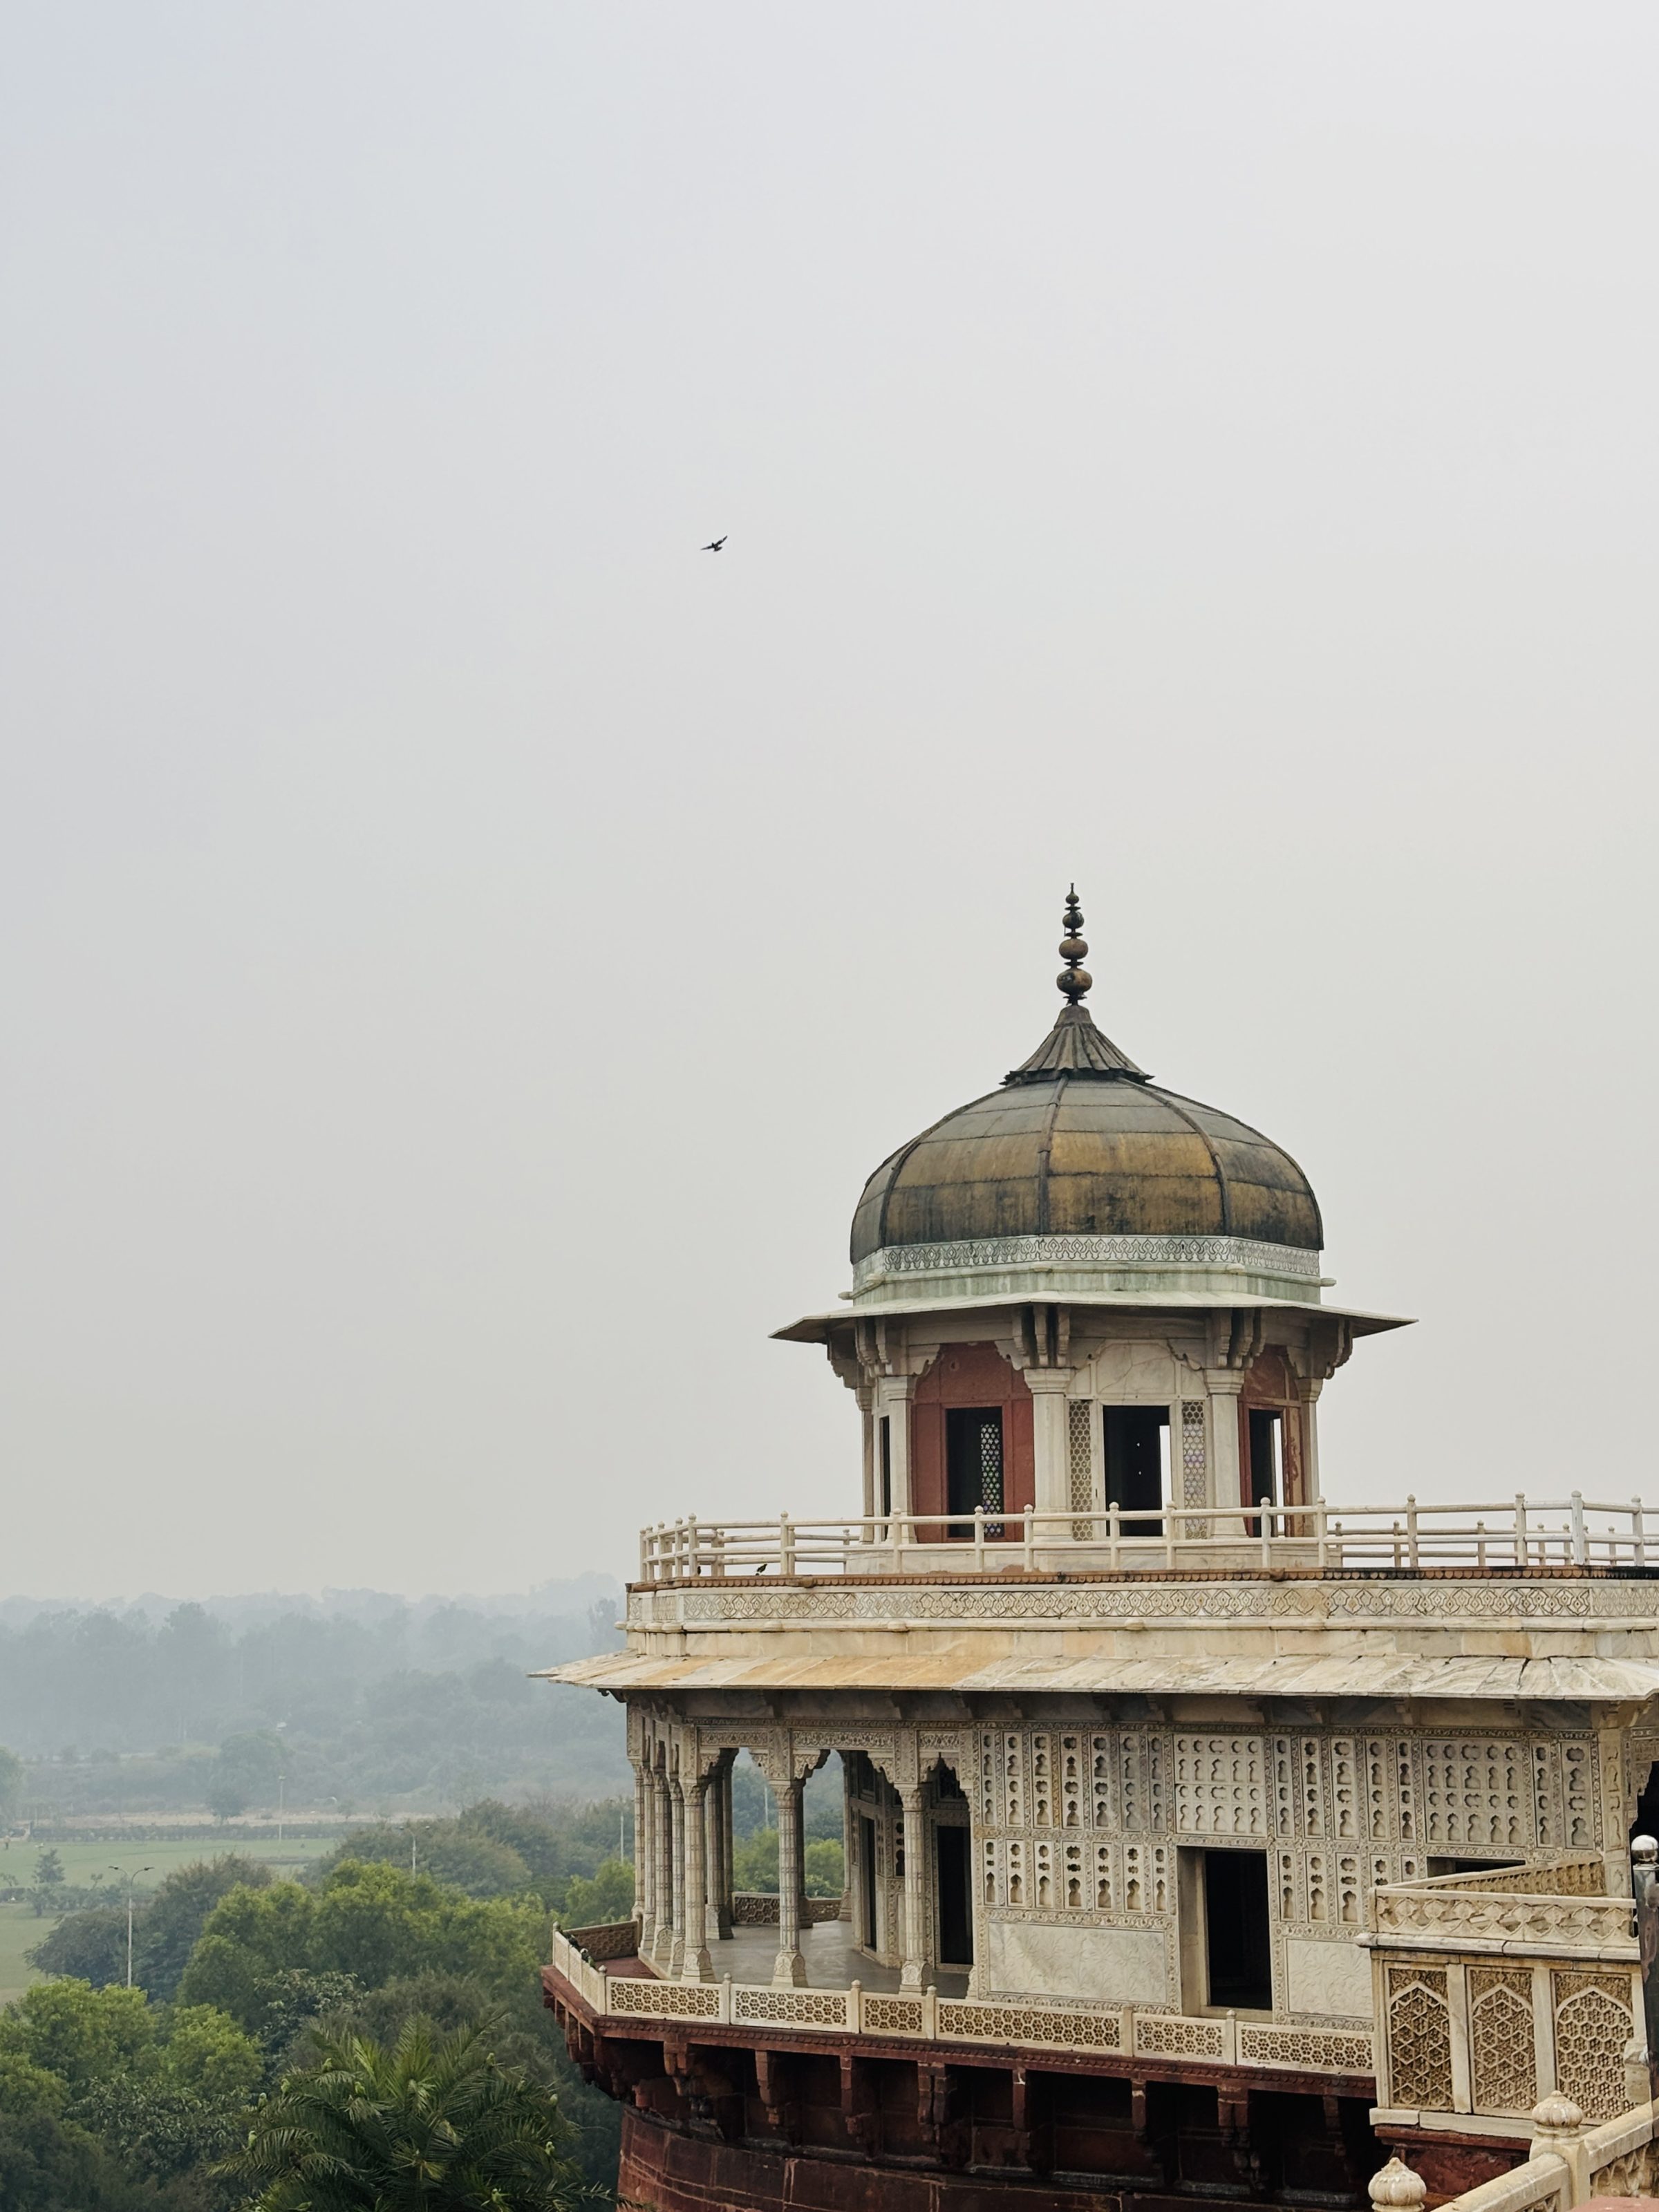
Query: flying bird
(716, 545)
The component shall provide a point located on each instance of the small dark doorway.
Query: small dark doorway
(955, 1917)
(973, 1465)
(1236, 1948)
(1137, 1450)
(1267, 1456)
(867, 1879)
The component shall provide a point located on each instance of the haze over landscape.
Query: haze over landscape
(464, 950)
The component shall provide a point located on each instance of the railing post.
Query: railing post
(1635, 1530)
(785, 1546)
(1412, 1560)
(726, 2001)
(692, 1561)
(1113, 1532)
(1580, 1546)
(645, 1555)
(1030, 1542)
(979, 1540)
(1520, 1530)
(856, 2006)
(1320, 1516)
(1265, 1529)
(1480, 1546)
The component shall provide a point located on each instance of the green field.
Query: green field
(84, 1863)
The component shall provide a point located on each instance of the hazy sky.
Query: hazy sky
(464, 948)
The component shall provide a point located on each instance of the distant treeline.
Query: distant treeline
(381, 1706)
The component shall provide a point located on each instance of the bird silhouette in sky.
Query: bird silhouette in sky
(716, 544)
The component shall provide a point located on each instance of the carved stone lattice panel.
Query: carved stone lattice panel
(1195, 1468)
(885, 2015)
(664, 2000)
(1502, 2050)
(1165, 2036)
(1080, 1472)
(1419, 2039)
(791, 2008)
(1036, 2024)
(1634, 2174)
(1592, 2026)
(1325, 2051)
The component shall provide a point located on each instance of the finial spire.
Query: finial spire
(1074, 1046)
(1074, 979)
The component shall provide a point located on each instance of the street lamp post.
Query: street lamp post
(143, 1869)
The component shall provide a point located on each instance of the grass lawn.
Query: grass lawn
(83, 1863)
(19, 1931)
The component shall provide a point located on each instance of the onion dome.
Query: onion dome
(1081, 1174)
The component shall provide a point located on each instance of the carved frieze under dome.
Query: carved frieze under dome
(1245, 1252)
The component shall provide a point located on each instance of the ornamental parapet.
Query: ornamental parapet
(1562, 1913)
(1487, 2000)
(1078, 2030)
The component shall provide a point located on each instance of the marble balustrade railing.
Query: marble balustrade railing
(1519, 1536)
(928, 2017)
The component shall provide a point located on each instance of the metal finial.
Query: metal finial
(1075, 979)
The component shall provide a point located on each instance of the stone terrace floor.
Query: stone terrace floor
(831, 1961)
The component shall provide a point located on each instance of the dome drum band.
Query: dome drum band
(1246, 1253)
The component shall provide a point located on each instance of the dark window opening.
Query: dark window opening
(1267, 1456)
(885, 1505)
(973, 1465)
(1437, 1866)
(945, 1786)
(956, 1919)
(1236, 1948)
(867, 1869)
(1137, 1462)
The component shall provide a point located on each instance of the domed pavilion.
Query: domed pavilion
(1086, 1291)
(1202, 1835)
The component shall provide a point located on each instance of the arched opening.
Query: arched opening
(972, 1444)
(952, 1870)
(1272, 1444)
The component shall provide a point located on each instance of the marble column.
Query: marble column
(728, 1846)
(847, 1839)
(714, 1811)
(1051, 1439)
(1225, 1386)
(1311, 1390)
(790, 1970)
(893, 1395)
(642, 1856)
(662, 1837)
(912, 1958)
(696, 1964)
(868, 1430)
(676, 1960)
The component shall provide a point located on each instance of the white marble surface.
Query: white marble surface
(1112, 1965)
(1332, 1976)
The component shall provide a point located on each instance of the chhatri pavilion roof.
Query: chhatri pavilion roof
(1079, 1142)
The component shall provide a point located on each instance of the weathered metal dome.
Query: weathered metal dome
(1079, 1142)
